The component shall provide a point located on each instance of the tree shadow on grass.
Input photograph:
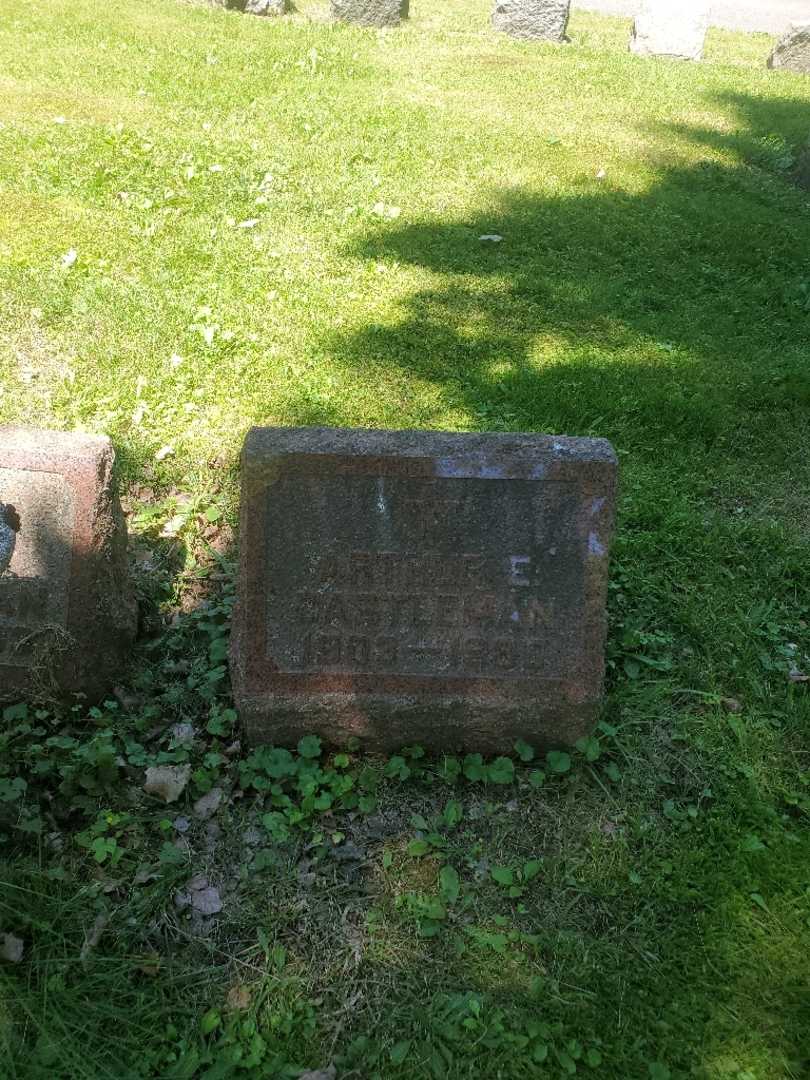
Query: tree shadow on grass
(678, 314)
(676, 322)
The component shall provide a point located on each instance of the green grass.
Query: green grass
(652, 286)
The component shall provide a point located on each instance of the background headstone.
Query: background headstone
(793, 50)
(532, 20)
(419, 587)
(675, 28)
(67, 614)
(266, 7)
(370, 12)
(254, 7)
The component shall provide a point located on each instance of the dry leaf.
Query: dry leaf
(93, 936)
(11, 948)
(150, 965)
(164, 452)
(238, 998)
(69, 258)
(167, 782)
(320, 1074)
(206, 901)
(208, 804)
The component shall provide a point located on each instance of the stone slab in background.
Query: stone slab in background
(792, 51)
(67, 613)
(669, 28)
(532, 20)
(266, 7)
(254, 7)
(379, 13)
(420, 587)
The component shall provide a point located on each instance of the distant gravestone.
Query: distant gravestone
(792, 51)
(67, 614)
(379, 13)
(254, 7)
(674, 29)
(532, 20)
(417, 587)
(266, 7)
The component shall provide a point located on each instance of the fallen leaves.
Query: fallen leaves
(93, 936)
(238, 999)
(383, 210)
(199, 896)
(69, 258)
(206, 806)
(328, 1073)
(167, 782)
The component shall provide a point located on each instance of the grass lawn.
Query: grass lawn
(209, 221)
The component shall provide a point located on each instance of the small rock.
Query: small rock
(731, 704)
(181, 824)
(11, 948)
(167, 782)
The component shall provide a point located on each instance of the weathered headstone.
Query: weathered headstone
(792, 51)
(532, 20)
(669, 28)
(254, 7)
(266, 7)
(67, 614)
(380, 13)
(419, 587)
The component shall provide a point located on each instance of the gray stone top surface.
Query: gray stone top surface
(425, 444)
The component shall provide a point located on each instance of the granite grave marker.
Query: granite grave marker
(377, 13)
(420, 587)
(532, 20)
(792, 51)
(67, 614)
(677, 30)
